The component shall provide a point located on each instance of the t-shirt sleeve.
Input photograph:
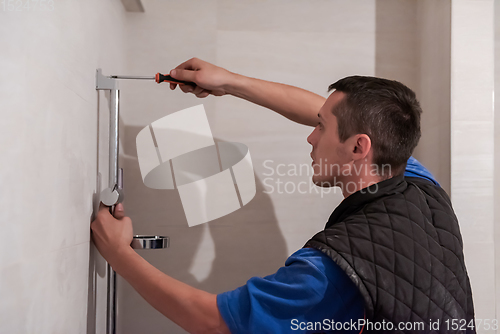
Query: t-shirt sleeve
(302, 290)
(415, 169)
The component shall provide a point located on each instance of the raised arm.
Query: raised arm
(296, 104)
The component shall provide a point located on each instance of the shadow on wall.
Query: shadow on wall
(217, 256)
(396, 42)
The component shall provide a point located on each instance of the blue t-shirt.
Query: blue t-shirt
(310, 294)
(415, 169)
(309, 288)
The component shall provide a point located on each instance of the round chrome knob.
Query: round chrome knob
(109, 197)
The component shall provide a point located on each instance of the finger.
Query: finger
(203, 94)
(172, 86)
(191, 64)
(197, 90)
(119, 211)
(184, 75)
(186, 88)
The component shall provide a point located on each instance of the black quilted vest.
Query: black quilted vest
(400, 243)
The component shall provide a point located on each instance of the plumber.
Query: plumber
(390, 254)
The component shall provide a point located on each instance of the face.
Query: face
(328, 153)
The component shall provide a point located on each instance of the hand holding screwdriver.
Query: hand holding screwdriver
(209, 79)
(162, 78)
(194, 76)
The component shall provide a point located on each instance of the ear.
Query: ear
(362, 145)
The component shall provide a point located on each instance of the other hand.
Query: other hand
(112, 235)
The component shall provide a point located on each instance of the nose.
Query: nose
(311, 137)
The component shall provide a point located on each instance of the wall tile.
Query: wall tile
(296, 16)
(48, 138)
(46, 293)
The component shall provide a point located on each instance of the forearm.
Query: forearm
(296, 104)
(194, 310)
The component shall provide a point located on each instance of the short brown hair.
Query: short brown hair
(385, 110)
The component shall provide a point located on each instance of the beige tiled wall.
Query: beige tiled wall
(48, 133)
(497, 155)
(472, 143)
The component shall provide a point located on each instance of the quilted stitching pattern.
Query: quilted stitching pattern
(404, 252)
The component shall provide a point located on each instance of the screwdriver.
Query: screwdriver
(158, 78)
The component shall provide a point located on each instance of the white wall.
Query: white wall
(472, 143)
(48, 133)
(497, 156)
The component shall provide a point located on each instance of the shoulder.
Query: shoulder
(318, 260)
(431, 192)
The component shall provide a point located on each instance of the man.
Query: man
(390, 257)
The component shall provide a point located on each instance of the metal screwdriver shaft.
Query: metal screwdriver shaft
(159, 78)
(131, 77)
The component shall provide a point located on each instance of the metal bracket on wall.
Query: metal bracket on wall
(103, 82)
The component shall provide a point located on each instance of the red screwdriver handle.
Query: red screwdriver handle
(161, 78)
